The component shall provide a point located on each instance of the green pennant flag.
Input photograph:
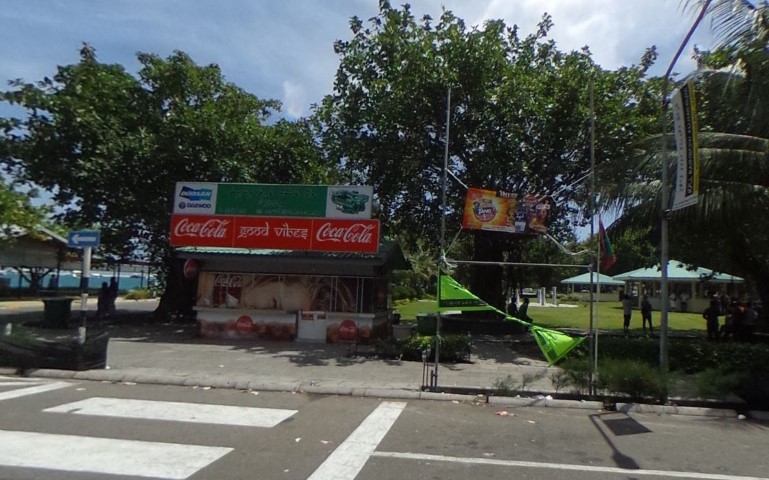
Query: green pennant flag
(453, 296)
(554, 344)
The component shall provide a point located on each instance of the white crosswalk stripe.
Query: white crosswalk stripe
(105, 455)
(31, 388)
(177, 411)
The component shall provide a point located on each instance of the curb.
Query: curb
(675, 410)
(311, 388)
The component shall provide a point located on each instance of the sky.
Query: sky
(283, 49)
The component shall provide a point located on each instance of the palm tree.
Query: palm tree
(725, 230)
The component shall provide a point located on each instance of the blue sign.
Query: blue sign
(83, 238)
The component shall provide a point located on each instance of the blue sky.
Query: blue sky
(284, 49)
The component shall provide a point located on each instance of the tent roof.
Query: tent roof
(584, 279)
(678, 272)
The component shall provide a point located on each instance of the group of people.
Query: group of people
(106, 299)
(522, 312)
(739, 319)
(646, 313)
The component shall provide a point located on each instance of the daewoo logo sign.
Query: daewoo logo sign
(196, 194)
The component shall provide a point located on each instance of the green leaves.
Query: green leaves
(110, 146)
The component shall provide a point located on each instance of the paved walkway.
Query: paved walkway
(171, 354)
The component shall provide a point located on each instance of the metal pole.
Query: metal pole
(593, 340)
(81, 332)
(443, 235)
(665, 208)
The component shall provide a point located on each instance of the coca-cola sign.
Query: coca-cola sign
(201, 231)
(286, 233)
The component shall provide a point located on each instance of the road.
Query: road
(91, 430)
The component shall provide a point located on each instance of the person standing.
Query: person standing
(102, 303)
(113, 291)
(646, 314)
(523, 312)
(627, 311)
(711, 318)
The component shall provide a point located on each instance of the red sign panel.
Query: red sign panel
(201, 231)
(289, 233)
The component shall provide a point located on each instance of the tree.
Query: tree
(110, 146)
(519, 121)
(16, 210)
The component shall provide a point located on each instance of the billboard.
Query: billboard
(506, 212)
(268, 200)
(283, 233)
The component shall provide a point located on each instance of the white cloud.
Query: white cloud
(294, 99)
(284, 50)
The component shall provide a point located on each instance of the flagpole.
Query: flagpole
(593, 331)
(434, 379)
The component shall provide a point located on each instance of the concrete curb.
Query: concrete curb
(675, 410)
(545, 402)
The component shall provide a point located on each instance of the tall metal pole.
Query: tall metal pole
(593, 331)
(445, 181)
(665, 207)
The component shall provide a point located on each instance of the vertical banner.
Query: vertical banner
(687, 145)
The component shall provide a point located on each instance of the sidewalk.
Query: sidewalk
(170, 354)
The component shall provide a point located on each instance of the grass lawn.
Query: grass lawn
(608, 316)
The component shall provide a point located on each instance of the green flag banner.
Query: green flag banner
(554, 344)
(453, 296)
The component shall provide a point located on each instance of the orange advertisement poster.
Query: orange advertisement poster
(489, 210)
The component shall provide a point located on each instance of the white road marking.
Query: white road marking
(347, 460)
(17, 381)
(74, 453)
(176, 411)
(562, 466)
(21, 392)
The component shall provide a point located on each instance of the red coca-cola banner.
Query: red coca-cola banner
(290, 233)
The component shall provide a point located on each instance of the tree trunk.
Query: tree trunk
(178, 298)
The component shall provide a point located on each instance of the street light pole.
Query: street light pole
(665, 207)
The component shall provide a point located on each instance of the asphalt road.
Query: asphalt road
(91, 430)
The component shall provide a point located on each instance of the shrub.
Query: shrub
(717, 382)
(634, 378)
(402, 292)
(577, 372)
(454, 348)
(505, 387)
(138, 294)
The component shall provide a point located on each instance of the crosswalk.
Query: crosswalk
(145, 456)
(28, 387)
(111, 456)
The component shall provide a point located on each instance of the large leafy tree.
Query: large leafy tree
(519, 121)
(110, 146)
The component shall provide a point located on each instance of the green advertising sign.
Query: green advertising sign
(271, 200)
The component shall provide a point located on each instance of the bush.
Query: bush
(717, 383)
(634, 378)
(454, 348)
(403, 292)
(577, 372)
(138, 294)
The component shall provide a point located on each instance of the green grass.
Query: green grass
(607, 316)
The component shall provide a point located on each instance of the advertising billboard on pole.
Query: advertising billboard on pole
(506, 212)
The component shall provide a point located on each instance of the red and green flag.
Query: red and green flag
(607, 252)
